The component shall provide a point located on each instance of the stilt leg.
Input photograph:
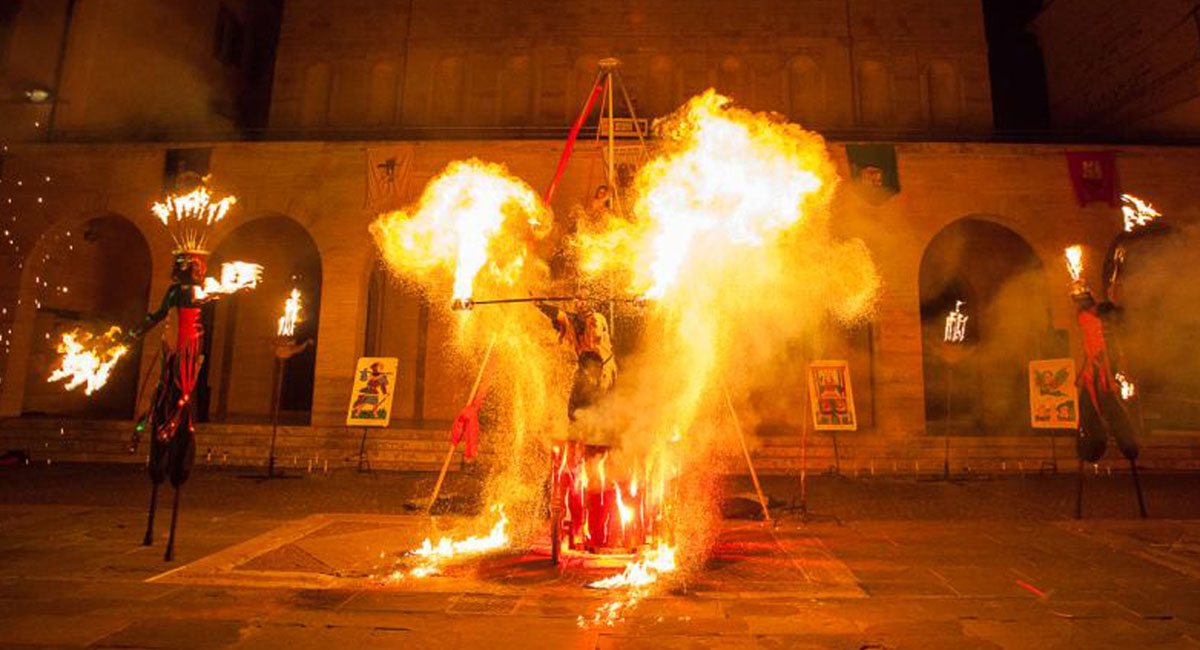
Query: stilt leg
(1137, 485)
(170, 554)
(1079, 493)
(149, 538)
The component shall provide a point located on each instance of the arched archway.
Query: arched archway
(90, 276)
(806, 90)
(385, 76)
(980, 386)
(516, 91)
(943, 88)
(237, 380)
(314, 100)
(734, 80)
(449, 91)
(874, 94)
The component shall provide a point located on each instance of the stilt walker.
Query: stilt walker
(172, 410)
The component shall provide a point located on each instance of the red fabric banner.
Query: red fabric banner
(1094, 176)
(566, 154)
(466, 425)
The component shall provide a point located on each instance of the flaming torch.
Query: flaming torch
(1074, 256)
(956, 324)
(291, 315)
(235, 277)
(88, 359)
(1128, 390)
(1138, 213)
(190, 216)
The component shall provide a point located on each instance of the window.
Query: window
(228, 37)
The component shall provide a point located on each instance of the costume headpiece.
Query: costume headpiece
(189, 217)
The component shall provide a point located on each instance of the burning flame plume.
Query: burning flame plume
(235, 277)
(956, 324)
(87, 359)
(1074, 256)
(291, 315)
(190, 216)
(465, 221)
(1138, 213)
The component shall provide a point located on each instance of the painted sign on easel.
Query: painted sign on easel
(831, 397)
(374, 387)
(1053, 399)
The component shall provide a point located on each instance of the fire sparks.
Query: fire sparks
(235, 277)
(189, 216)
(1128, 390)
(1138, 213)
(291, 315)
(88, 359)
(956, 324)
(473, 216)
(1074, 256)
(432, 556)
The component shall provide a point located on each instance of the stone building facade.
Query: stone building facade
(466, 79)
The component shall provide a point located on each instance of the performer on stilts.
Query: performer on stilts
(171, 416)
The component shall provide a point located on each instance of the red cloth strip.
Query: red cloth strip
(566, 154)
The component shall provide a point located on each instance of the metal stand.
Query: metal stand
(946, 433)
(363, 461)
(276, 396)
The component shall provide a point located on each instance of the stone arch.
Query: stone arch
(383, 93)
(516, 91)
(88, 274)
(874, 94)
(943, 92)
(237, 381)
(806, 90)
(314, 101)
(662, 89)
(734, 79)
(980, 386)
(449, 92)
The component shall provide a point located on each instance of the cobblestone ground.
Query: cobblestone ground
(881, 563)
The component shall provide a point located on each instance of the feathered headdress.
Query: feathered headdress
(189, 217)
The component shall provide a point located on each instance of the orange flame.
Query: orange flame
(291, 315)
(433, 556)
(1128, 390)
(1074, 255)
(1137, 212)
(88, 359)
(235, 277)
(472, 216)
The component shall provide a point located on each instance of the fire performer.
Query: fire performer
(172, 410)
(586, 330)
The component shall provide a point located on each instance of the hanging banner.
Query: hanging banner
(1053, 398)
(1094, 176)
(873, 170)
(387, 171)
(830, 396)
(371, 398)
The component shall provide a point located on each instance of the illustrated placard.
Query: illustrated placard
(831, 396)
(1053, 398)
(374, 386)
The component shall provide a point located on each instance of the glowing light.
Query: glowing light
(433, 556)
(87, 359)
(291, 315)
(1074, 256)
(1138, 213)
(235, 277)
(472, 217)
(1128, 390)
(956, 324)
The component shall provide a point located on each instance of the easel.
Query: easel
(363, 460)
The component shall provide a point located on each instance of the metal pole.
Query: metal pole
(746, 452)
(437, 488)
(946, 433)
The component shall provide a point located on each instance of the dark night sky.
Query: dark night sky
(1018, 77)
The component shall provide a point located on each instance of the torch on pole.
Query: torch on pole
(955, 333)
(467, 304)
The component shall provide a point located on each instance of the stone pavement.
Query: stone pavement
(904, 564)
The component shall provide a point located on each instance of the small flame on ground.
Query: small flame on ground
(1137, 212)
(88, 359)
(1074, 255)
(433, 556)
(291, 315)
(634, 582)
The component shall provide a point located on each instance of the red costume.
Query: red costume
(1102, 412)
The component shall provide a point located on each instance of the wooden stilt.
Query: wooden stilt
(437, 487)
(762, 500)
(170, 554)
(1137, 486)
(149, 538)
(1079, 493)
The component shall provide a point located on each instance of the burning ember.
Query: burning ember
(471, 217)
(190, 216)
(1138, 213)
(88, 359)
(1074, 256)
(291, 315)
(235, 277)
(1128, 390)
(956, 324)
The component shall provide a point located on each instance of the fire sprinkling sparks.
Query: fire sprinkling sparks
(88, 359)
(189, 216)
(291, 315)
(235, 277)
(457, 223)
(1128, 390)
(1138, 213)
(1074, 255)
(956, 324)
